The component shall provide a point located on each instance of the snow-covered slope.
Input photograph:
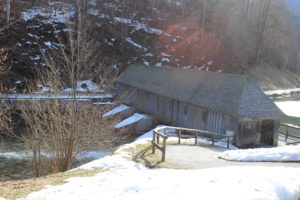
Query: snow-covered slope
(128, 180)
(290, 108)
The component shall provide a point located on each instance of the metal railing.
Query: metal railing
(161, 132)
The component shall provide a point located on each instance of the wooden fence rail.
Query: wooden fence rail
(287, 133)
(178, 133)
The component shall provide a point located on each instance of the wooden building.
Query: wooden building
(216, 102)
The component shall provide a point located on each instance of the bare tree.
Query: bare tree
(57, 129)
(7, 10)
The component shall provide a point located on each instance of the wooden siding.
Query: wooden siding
(176, 113)
(247, 132)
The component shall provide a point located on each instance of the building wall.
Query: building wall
(249, 133)
(176, 113)
(255, 132)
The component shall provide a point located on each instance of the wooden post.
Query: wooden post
(179, 137)
(286, 133)
(157, 138)
(196, 138)
(213, 140)
(164, 149)
(153, 140)
(228, 138)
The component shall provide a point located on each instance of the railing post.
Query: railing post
(228, 142)
(196, 138)
(213, 140)
(179, 137)
(287, 133)
(153, 140)
(164, 149)
(157, 139)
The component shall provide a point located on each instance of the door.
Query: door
(267, 132)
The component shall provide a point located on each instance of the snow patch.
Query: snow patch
(103, 103)
(116, 110)
(138, 26)
(136, 44)
(165, 60)
(149, 55)
(158, 65)
(43, 89)
(131, 120)
(61, 15)
(282, 92)
(37, 57)
(278, 154)
(85, 86)
(165, 55)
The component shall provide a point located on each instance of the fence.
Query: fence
(178, 133)
(290, 133)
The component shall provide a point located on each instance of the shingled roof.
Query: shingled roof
(226, 93)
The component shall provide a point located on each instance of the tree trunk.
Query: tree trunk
(7, 10)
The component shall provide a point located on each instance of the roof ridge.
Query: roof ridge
(193, 70)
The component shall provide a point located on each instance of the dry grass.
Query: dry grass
(18, 189)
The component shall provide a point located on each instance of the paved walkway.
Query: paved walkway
(199, 157)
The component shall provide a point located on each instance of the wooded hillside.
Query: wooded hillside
(233, 36)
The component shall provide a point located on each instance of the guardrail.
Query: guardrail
(287, 133)
(204, 134)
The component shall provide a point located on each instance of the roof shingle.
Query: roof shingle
(227, 93)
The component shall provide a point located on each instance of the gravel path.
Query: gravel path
(199, 157)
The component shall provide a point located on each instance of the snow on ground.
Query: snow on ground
(56, 12)
(138, 26)
(290, 108)
(128, 180)
(282, 92)
(283, 153)
(103, 103)
(43, 89)
(116, 110)
(129, 40)
(131, 120)
(216, 183)
(86, 86)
